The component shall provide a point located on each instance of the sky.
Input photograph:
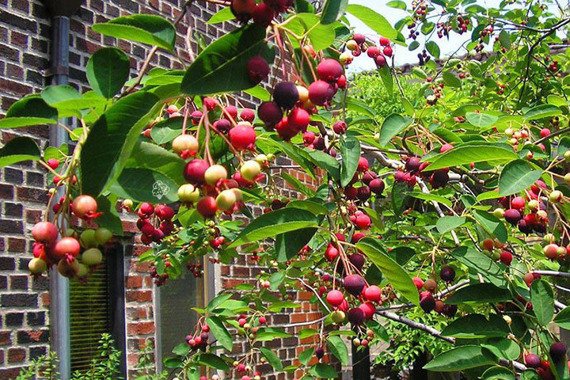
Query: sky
(401, 53)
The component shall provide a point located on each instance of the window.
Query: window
(175, 317)
(96, 307)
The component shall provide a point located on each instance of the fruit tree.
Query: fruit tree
(455, 204)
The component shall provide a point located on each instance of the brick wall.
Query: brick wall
(25, 30)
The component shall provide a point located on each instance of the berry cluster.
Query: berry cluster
(155, 222)
(359, 44)
(74, 253)
(262, 13)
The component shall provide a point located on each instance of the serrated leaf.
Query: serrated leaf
(465, 154)
(143, 28)
(480, 119)
(338, 348)
(458, 359)
(107, 71)
(112, 138)
(516, 176)
(19, 149)
(481, 293)
(350, 151)
(333, 10)
(392, 126)
(542, 298)
(274, 223)
(448, 223)
(220, 332)
(222, 66)
(391, 270)
(373, 20)
(272, 358)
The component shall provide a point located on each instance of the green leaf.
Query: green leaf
(220, 332)
(333, 10)
(145, 185)
(167, 130)
(465, 154)
(268, 334)
(476, 326)
(542, 298)
(213, 361)
(29, 111)
(151, 156)
(563, 318)
(501, 348)
(274, 223)
(542, 111)
(517, 176)
(259, 92)
(480, 264)
(305, 356)
(482, 293)
(289, 244)
(307, 333)
(557, 101)
(58, 94)
(448, 223)
(276, 279)
(350, 151)
(373, 20)
(398, 4)
(107, 71)
(398, 195)
(458, 359)
(324, 371)
(451, 80)
(222, 66)
(143, 28)
(480, 119)
(392, 125)
(19, 149)
(224, 14)
(433, 49)
(271, 357)
(386, 76)
(431, 197)
(338, 348)
(182, 349)
(112, 138)
(498, 373)
(394, 273)
(491, 224)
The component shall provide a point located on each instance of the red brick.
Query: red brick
(140, 328)
(134, 282)
(139, 296)
(16, 355)
(5, 338)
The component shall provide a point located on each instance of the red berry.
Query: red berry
(45, 232)
(380, 61)
(373, 293)
(67, 246)
(376, 186)
(329, 70)
(354, 284)
(373, 52)
(545, 132)
(384, 41)
(53, 163)
(195, 170)
(242, 136)
(285, 130)
(362, 164)
(362, 222)
(247, 114)
(257, 67)
(339, 127)
(84, 206)
(359, 38)
(518, 203)
(243, 9)
(368, 309)
(207, 207)
(506, 257)
(321, 92)
(263, 15)
(388, 51)
(270, 113)
(299, 119)
(335, 297)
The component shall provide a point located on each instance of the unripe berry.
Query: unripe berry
(84, 206)
(215, 173)
(555, 196)
(184, 143)
(187, 193)
(45, 232)
(250, 170)
(92, 256)
(226, 200)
